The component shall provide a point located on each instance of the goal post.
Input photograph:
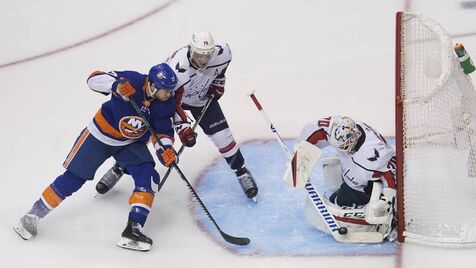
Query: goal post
(435, 110)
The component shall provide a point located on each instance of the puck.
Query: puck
(342, 230)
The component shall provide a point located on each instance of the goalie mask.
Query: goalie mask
(201, 50)
(344, 134)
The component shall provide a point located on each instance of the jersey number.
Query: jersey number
(324, 122)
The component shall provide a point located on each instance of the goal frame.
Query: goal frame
(402, 82)
(399, 127)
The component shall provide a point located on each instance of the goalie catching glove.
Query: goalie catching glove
(380, 208)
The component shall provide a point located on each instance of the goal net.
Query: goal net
(436, 137)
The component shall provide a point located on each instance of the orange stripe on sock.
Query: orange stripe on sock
(141, 198)
(76, 147)
(50, 196)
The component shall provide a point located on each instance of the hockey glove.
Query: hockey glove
(217, 88)
(381, 211)
(125, 89)
(166, 155)
(186, 134)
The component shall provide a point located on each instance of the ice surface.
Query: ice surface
(306, 59)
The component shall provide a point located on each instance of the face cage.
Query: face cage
(349, 145)
(195, 56)
(152, 89)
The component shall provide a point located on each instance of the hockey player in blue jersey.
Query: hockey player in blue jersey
(118, 131)
(200, 69)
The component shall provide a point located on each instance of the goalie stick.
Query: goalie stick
(339, 233)
(241, 241)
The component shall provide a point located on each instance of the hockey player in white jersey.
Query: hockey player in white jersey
(361, 176)
(200, 68)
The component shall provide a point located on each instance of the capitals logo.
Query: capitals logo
(132, 127)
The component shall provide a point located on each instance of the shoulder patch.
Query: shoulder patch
(220, 49)
(179, 69)
(375, 157)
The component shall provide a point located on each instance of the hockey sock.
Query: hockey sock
(141, 202)
(139, 215)
(63, 186)
(68, 183)
(143, 174)
(39, 209)
(236, 162)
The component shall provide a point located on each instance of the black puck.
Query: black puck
(342, 230)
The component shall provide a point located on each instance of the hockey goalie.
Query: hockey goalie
(361, 178)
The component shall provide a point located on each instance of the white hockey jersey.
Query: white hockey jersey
(373, 158)
(193, 83)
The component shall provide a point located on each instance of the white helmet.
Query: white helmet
(344, 134)
(202, 47)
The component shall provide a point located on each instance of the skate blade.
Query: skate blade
(255, 199)
(133, 245)
(22, 232)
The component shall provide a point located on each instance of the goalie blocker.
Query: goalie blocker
(300, 168)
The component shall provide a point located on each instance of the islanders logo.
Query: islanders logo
(160, 75)
(132, 127)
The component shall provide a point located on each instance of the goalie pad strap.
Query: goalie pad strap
(351, 220)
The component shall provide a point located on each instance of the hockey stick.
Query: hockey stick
(339, 233)
(202, 113)
(241, 241)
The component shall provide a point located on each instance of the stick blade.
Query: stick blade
(240, 241)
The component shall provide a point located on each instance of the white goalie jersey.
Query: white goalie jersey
(193, 83)
(373, 158)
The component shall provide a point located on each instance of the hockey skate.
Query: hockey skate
(109, 179)
(27, 226)
(248, 184)
(132, 238)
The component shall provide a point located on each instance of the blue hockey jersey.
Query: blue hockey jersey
(117, 123)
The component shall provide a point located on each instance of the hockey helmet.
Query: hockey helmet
(344, 134)
(163, 77)
(202, 47)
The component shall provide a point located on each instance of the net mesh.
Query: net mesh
(439, 123)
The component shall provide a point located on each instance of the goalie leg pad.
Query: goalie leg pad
(332, 173)
(351, 218)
